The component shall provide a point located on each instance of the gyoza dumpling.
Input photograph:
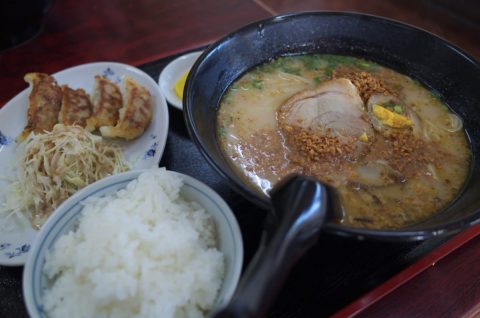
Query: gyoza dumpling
(135, 115)
(107, 100)
(76, 107)
(44, 104)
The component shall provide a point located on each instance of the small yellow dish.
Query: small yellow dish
(173, 78)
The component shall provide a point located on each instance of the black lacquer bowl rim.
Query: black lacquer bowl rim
(263, 201)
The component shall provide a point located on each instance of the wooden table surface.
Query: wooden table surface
(142, 31)
(136, 32)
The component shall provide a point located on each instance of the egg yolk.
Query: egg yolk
(363, 137)
(390, 118)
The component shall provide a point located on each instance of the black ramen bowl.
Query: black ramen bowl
(437, 64)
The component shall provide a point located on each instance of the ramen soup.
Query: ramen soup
(393, 150)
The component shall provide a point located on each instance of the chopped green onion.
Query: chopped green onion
(258, 84)
(398, 109)
(246, 86)
(363, 64)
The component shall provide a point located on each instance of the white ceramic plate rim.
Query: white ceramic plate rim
(172, 73)
(15, 245)
(48, 234)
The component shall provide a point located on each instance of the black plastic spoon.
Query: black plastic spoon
(301, 205)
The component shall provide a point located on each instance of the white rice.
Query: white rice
(141, 252)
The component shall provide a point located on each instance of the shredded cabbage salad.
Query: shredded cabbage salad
(54, 165)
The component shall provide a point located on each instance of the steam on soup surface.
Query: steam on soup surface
(393, 150)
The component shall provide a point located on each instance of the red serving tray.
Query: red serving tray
(444, 283)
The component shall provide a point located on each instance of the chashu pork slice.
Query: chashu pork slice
(334, 106)
(334, 109)
(44, 104)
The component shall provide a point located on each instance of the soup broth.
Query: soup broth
(392, 149)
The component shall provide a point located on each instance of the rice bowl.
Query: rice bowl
(182, 272)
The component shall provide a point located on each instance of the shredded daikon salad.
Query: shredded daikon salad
(54, 165)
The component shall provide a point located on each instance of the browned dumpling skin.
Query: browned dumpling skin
(135, 115)
(76, 107)
(44, 104)
(107, 100)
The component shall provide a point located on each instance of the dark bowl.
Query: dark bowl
(21, 21)
(439, 65)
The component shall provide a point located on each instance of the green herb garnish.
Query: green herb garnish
(258, 84)
(311, 62)
(398, 109)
